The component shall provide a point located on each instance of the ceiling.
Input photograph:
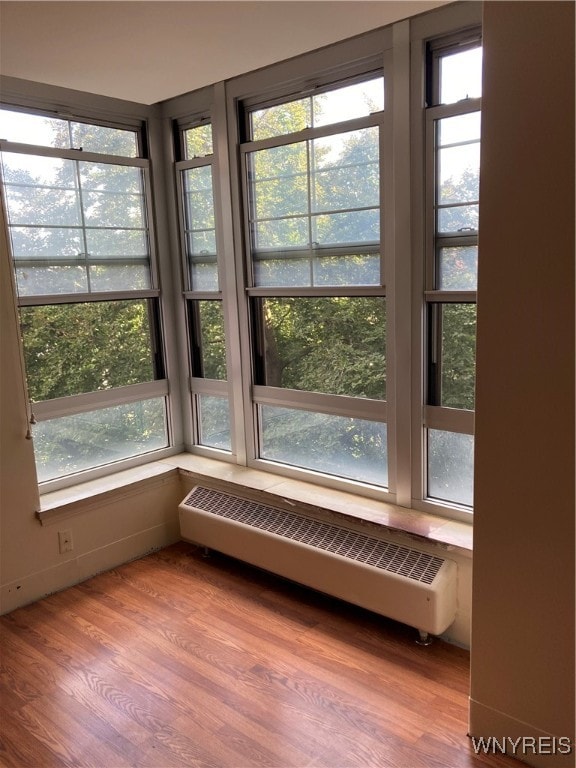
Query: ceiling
(147, 51)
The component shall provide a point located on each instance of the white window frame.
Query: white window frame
(95, 401)
(399, 51)
(336, 405)
(439, 32)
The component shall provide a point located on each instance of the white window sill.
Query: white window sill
(74, 499)
(432, 529)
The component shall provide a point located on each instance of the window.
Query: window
(453, 147)
(315, 287)
(333, 260)
(202, 292)
(78, 207)
(322, 322)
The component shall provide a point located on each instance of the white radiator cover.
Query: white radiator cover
(396, 581)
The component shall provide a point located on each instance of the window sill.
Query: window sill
(56, 505)
(431, 528)
(428, 528)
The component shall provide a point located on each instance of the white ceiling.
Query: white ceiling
(148, 51)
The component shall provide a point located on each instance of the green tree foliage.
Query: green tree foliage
(70, 349)
(327, 189)
(458, 355)
(314, 210)
(198, 141)
(85, 440)
(335, 445)
(282, 119)
(80, 227)
(212, 339)
(334, 345)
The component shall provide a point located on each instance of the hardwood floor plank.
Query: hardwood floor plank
(19, 746)
(207, 693)
(178, 661)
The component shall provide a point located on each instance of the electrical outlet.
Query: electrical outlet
(65, 542)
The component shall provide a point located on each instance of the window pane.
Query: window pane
(331, 345)
(117, 243)
(459, 128)
(74, 348)
(280, 181)
(108, 141)
(198, 141)
(461, 76)
(349, 102)
(285, 118)
(51, 279)
(346, 228)
(64, 134)
(69, 219)
(309, 199)
(40, 190)
(117, 277)
(346, 269)
(345, 103)
(39, 281)
(87, 440)
(49, 244)
(282, 270)
(34, 129)
(112, 195)
(204, 275)
(458, 172)
(345, 171)
(458, 218)
(199, 198)
(282, 234)
(450, 466)
(214, 422)
(334, 445)
(458, 268)
(200, 227)
(208, 339)
(458, 355)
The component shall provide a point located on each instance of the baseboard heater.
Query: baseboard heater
(396, 581)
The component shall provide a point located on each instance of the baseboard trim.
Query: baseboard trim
(42, 583)
(546, 751)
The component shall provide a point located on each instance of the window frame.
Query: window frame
(430, 42)
(262, 395)
(401, 50)
(400, 47)
(157, 388)
(201, 386)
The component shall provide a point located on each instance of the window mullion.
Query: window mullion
(398, 263)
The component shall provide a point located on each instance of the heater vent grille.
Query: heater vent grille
(389, 557)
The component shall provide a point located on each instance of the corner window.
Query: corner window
(196, 178)
(79, 221)
(453, 152)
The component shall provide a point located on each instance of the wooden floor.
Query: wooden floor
(179, 660)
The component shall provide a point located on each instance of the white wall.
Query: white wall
(104, 535)
(523, 580)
